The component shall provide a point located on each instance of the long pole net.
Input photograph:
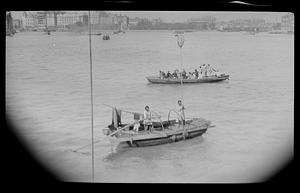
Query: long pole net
(91, 83)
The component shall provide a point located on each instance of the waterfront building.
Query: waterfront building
(203, 23)
(50, 20)
(41, 19)
(156, 21)
(29, 20)
(287, 22)
(68, 18)
(17, 23)
(134, 21)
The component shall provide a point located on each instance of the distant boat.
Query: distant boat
(207, 79)
(106, 37)
(97, 34)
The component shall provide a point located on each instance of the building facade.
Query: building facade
(287, 22)
(61, 19)
(203, 23)
(68, 18)
(29, 20)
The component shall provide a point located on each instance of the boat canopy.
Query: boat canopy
(117, 114)
(116, 117)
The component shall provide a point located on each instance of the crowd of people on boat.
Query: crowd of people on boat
(204, 70)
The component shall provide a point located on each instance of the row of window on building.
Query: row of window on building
(286, 24)
(48, 19)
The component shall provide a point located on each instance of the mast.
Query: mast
(91, 83)
(180, 42)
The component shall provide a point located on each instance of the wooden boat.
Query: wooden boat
(106, 37)
(205, 79)
(162, 131)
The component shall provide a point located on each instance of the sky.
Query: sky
(182, 16)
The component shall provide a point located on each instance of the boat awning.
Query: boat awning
(116, 117)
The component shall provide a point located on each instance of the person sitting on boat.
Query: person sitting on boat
(160, 74)
(192, 75)
(175, 74)
(169, 75)
(136, 126)
(205, 70)
(181, 115)
(216, 72)
(202, 69)
(163, 75)
(196, 73)
(184, 74)
(147, 119)
(209, 70)
(200, 75)
(189, 76)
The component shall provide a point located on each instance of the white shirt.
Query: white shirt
(147, 116)
(181, 111)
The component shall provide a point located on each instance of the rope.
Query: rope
(76, 150)
(92, 110)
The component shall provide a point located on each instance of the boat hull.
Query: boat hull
(157, 80)
(168, 139)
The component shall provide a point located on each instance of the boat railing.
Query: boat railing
(159, 118)
(170, 113)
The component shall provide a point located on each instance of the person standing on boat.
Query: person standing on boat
(169, 74)
(184, 76)
(160, 74)
(181, 115)
(147, 119)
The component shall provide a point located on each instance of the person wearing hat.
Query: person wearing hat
(147, 119)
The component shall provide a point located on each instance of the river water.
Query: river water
(48, 100)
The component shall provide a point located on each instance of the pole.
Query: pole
(181, 66)
(92, 110)
(180, 42)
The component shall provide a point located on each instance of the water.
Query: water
(48, 99)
